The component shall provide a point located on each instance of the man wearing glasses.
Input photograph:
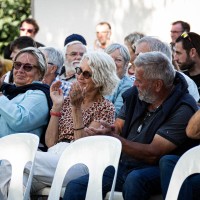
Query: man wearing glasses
(75, 47)
(178, 27)
(28, 27)
(103, 34)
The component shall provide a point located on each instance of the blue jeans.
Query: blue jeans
(190, 188)
(137, 184)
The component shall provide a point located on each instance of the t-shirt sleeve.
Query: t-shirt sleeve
(105, 112)
(174, 128)
(121, 114)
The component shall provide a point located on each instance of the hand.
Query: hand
(2, 80)
(104, 129)
(56, 94)
(76, 95)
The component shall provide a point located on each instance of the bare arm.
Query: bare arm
(51, 136)
(149, 153)
(119, 123)
(193, 127)
(77, 95)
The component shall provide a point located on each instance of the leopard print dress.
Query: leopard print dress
(100, 110)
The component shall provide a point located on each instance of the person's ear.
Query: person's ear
(53, 69)
(158, 85)
(109, 34)
(193, 52)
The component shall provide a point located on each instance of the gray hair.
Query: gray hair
(55, 56)
(156, 45)
(38, 55)
(156, 65)
(71, 43)
(103, 71)
(133, 37)
(122, 49)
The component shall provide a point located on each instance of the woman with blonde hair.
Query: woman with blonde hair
(85, 107)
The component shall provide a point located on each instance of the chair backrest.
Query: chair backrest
(18, 149)
(188, 164)
(97, 153)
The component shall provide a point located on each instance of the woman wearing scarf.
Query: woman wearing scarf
(24, 105)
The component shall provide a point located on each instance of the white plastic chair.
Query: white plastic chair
(18, 149)
(118, 196)
(188, 164)
(97, 153)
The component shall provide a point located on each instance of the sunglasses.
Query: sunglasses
(28, 30)
(86, 74)
(50, 63)
(186, 36)
(26, 66)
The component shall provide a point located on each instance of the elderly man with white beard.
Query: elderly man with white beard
(74, 50)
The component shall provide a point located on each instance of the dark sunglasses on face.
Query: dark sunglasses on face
(28, 30)
(86, 74)
(26, 66)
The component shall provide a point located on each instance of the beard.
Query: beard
(70, 67)
(146, 95)
(188, 64)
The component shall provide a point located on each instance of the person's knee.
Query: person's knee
(166, 165)
(133, 178)
(135, 186)
(168, 161)
(76, 189)
(142, 183)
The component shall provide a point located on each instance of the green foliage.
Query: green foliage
(12, 12)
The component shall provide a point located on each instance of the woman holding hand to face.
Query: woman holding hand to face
(84, 107)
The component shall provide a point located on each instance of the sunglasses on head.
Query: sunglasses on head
(28, 30)
(26, 66)
(186, 36)
(86, 74)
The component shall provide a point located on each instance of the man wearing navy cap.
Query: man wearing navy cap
(75, 47)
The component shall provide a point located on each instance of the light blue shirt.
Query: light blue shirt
(27, 112)
(124, 84)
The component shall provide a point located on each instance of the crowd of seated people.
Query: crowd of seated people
(144, 93)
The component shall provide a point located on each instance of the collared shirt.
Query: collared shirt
(65, 86)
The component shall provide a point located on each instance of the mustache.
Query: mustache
(70, 67)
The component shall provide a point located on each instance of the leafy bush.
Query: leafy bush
(12, 12)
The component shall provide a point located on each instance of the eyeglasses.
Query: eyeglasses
(186, 36)
(86, 74)
(73, 54)
(28, 30)
(26, 66)
(50, 63)
(103, 32)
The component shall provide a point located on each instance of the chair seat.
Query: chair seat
(45, 192)
(118, 196)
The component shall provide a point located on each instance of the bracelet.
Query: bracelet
(77, 129)
(57, 114)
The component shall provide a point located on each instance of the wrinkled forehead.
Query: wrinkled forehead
(27, 57)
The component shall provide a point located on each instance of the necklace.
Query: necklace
(147, 117)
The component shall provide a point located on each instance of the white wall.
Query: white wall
(60, 18)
